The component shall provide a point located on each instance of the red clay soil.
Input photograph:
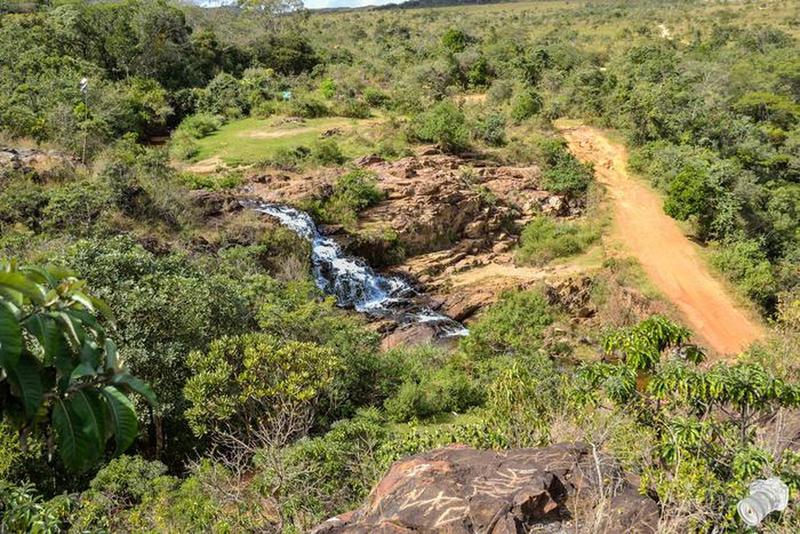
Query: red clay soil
(672, 262)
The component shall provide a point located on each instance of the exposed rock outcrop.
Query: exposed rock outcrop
(214, 203)
(443, 216)
(460, 490)
(409, 334)
(436, 201)
(573, 295)
(34, 160)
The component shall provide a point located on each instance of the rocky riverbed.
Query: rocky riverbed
(448, 223)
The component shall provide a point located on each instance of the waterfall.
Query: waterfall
(354, 283)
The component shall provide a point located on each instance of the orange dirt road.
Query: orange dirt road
(669, 258)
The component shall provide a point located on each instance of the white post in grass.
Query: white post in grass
(84, 87)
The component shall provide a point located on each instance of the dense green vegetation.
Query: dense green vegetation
(167, 365)
(544, 239)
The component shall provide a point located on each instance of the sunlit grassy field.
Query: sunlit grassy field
(249, 141)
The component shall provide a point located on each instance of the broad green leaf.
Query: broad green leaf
(12, 296)
(40, 274)
(138, 386)
(59, 273)
(22, 284)
(45, 329)
(90, 354)
(72, 327)
(86, 321)
(112, 360)
(83, 300)
(73, 443)
(123, 418)
(89, 407)
(80, 428)
(82, 370)
(103, 308)
(10, 338)
(26, 383)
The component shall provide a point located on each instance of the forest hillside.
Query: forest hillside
(498, 268)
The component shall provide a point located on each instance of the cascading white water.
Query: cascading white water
(353, 282)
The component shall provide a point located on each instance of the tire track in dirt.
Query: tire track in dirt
(670, 259)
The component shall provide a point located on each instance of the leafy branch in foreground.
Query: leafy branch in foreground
(58, 365)
(705, 419)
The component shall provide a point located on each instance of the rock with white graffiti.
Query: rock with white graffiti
(460, 490)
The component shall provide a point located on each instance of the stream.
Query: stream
(354, 283)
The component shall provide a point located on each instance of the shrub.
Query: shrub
(374, 96)
(545, 239)
(76, 207)
(706, 417)
(316, 478)
(260, 86)
(288, 52)
(500, 91)
(745, 263)
(525, 105)
(491, 129)
(444, 124)
(143, 185)
(230, 180)
(223, 96)
(264, 390)
(183, 146)
(214, 498)
(781, 110)
(307, 107)
(353, 108)
(352, 193)
(327, 152)
(200, 125)
(523, 399)
(563, 173)
(441, 391)
(120, 486)
(327, 88)
(479, 73)
(156, 336)
(515, 325)
(455, 40)
(23, 510)
(288, 158)
(298, 312)
(265, 109)
(23, 201)
(426, 381)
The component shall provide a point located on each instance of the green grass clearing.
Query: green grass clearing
(251, 141)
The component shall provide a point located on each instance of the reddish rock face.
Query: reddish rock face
(460, 490)
(434, 201)
(215, 203)
(408, 335)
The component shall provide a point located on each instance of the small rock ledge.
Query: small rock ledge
(460, 490)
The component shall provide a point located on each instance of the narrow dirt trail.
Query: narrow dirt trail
(669, 258)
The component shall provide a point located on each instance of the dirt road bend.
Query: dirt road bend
(669, 258)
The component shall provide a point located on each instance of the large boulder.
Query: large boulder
(460, 490)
